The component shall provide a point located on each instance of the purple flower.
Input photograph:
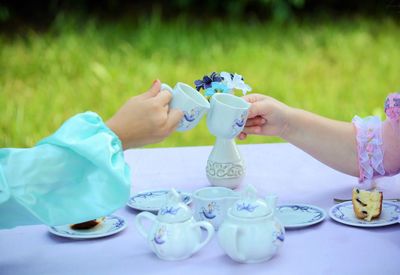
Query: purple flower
(207, 81)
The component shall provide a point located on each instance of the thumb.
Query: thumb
(154, 89)
(257, 107)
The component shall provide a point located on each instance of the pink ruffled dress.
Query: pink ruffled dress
(378, 143)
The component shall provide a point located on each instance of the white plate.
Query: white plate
(299, 215)
(110, 226)
(344, 213)
(152, 200)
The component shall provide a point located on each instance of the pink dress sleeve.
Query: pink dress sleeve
(378, 143)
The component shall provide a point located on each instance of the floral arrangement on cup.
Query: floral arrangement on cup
(223, 82)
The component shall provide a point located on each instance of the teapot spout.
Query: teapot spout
(271, 201)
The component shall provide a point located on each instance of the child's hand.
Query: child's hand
(267, 116)
(146, 118)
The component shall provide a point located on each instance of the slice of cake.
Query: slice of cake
(367, 205)
(87, 224)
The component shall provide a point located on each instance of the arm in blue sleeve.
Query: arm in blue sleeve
(75, 175)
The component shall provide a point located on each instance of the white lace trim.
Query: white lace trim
(369, 145)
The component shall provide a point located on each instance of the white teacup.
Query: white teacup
(227, 116)
(190, 102)
(212, 203)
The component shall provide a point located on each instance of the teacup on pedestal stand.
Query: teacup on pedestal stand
(225, 120)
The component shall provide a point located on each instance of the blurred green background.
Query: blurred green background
(60, 58)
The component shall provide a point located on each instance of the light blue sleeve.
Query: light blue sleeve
(75, 175)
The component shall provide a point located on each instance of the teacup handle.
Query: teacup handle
(210, 233)
(139, 222)
(166, 87)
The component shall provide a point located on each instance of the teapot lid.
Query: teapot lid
(174, 210)
(250, 206)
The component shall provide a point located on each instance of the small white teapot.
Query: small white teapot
(174, 234)
(250, 232)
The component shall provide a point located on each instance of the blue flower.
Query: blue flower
(209, 92)
(216, 87)
(207, 81)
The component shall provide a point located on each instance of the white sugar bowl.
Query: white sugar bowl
(250, 232)
(174, 233)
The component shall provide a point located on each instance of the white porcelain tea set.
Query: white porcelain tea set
(248, 230)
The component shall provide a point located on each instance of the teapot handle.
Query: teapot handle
(139, 222)
(210, 233)
(236, 233)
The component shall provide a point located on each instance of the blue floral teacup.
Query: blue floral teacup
(212, 203)
(190, 102)
(227, 116)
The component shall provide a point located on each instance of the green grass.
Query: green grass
(337, 68)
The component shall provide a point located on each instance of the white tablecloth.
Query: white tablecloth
(326, 248)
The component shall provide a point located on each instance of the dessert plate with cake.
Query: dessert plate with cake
(99, 228)
(152, 200)
(366, 209)
(299, 215)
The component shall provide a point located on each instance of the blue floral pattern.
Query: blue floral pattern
(169, 210)
(152, 200)
(316, 214)
(238, 123)
(159, 236)
(299, 215)
(279, 234)
(188, 117)
(246, 207)
(209, 212)
(146, 195)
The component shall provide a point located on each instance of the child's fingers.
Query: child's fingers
(252, 130)
(174, 116)
(242, 136)
(255, 121)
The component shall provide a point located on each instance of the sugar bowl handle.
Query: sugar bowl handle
(210, 233)
(139, 222)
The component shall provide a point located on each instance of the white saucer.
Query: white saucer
(299, 215)
(344, 213)
(110, 226)
(152, 200)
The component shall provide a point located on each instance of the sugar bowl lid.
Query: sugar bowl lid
(174, 209)
(249, 205)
